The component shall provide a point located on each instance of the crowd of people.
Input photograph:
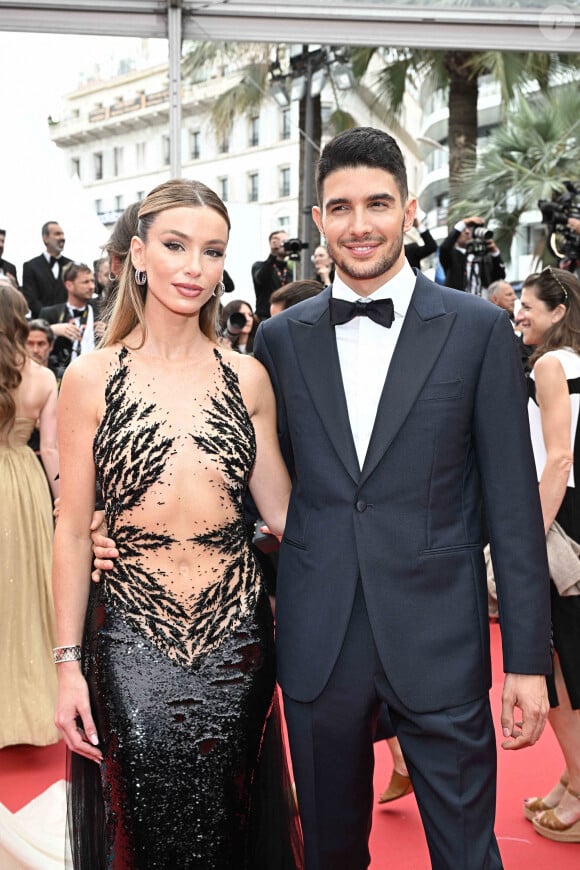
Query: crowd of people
(354, 419)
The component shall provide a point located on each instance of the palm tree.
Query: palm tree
(458, 72)
(255, 66)
(528, 158)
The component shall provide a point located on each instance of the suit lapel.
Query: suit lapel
(317, 355)
(422, 337)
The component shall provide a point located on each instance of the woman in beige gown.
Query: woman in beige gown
(28, 394)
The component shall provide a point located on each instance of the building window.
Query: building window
(254, 137)
(75, 166)
(166, 149)
(224, 187)
(284, 223)
(140, 151)
(119, 203)
(224, 144)
(285, 181)
(286, 125)
(99, 206)
(140, 195)
(195, 138)
(253, 188)
(98, 162)
(117, 161)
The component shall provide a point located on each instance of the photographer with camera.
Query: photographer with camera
(470, 257)
(561, 216)
(270, 274)
(239, 325)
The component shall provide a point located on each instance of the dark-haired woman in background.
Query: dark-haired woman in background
(549, 319)
(239, 335)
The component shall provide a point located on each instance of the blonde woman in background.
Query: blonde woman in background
(27, 398)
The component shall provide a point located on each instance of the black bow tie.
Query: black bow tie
(379, 310)
(53, 260)
(78, 312)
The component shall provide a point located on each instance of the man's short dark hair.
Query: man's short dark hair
(72, 270)
(42, 326)
(276, 232)
(362, 146)
(45, 227)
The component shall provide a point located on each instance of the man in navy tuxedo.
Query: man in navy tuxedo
(390, 412)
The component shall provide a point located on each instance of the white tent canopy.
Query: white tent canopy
(449, 24)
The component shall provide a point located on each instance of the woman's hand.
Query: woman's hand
(72, 704)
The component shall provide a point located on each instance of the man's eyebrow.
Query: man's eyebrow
(375, 197)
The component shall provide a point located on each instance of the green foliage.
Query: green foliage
(527, 158)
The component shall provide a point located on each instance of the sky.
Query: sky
(36, 71)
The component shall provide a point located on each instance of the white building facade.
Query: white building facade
(115, 135)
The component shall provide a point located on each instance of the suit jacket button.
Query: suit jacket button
(361, 506)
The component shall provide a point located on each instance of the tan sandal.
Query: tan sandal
(548, 825)
(399, 786)
(537, 805)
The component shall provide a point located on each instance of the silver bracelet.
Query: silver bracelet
(66, 654)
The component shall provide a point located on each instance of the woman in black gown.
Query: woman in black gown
(166, 667)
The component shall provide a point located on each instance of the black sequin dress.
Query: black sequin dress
(180, 664)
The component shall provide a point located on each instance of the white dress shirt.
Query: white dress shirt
(55, 268)
(365, 349)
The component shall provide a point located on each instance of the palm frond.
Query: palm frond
(528, 158)
(340, 120)
(244, 98)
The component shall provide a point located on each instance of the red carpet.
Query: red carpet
(397, 840)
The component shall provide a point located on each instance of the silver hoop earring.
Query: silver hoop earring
(112, 276)
(140, 278)
(220, 289)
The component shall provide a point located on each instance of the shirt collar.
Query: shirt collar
(399, 289)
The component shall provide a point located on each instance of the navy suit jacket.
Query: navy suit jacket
(39, 285)
(451, 429)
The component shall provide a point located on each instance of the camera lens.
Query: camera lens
(236, 323)
(482, 233)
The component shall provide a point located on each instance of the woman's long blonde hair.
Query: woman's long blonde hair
(13, 335)
(129, 311)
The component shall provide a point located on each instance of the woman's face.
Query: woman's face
(247, 312)
(183, 257)
(321, 257)
(534, 317)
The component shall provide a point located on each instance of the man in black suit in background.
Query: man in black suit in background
(74, 322)
(6, 268)
(42, 282)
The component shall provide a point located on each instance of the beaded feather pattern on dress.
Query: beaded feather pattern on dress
(132, 449)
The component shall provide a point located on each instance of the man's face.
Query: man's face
(464, 237)
(38, 346)
(81, 289)
(505, 297)
(54, 239)
(2, 240)
(277, 244)
(363, 220)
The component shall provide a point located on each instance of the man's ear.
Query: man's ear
(410, 212)
(317, 218)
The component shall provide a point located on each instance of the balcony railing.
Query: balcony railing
(103, 113)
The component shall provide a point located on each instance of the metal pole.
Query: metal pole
(305, 233)
(174, 36)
